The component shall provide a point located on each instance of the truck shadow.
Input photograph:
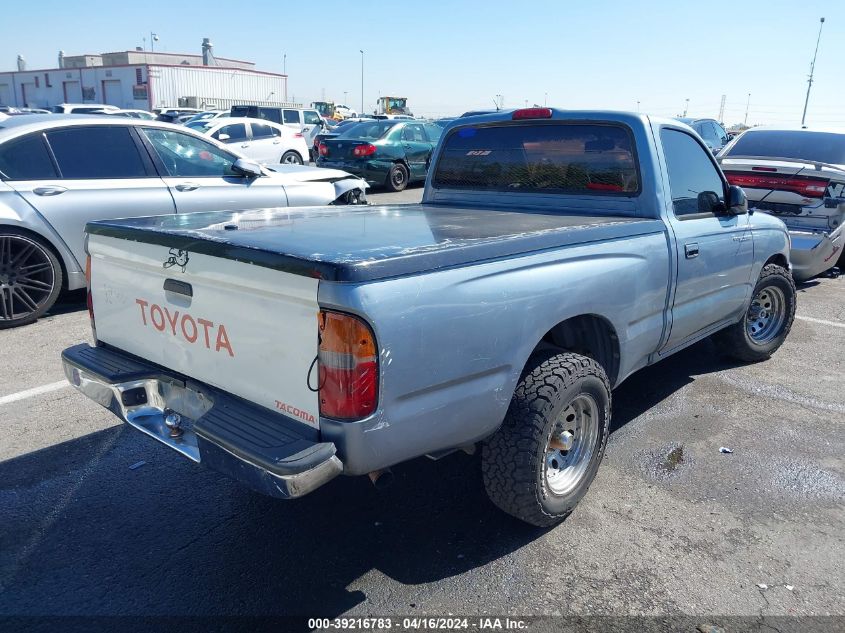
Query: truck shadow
(83, 533)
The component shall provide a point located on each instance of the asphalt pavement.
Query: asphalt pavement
(97, 519)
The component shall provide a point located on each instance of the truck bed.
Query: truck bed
(369, 243)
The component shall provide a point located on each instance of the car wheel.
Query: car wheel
(541, 461)
(291, 158)
(768, 319)
(397, 177)
(30, 278)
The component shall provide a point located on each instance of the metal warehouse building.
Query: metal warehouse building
(144, 80)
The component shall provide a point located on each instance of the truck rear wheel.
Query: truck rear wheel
(768, 319)
(541, 461)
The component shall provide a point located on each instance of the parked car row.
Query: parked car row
(59, 172)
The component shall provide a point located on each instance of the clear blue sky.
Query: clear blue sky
(447, 57)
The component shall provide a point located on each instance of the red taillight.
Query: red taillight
(324, 149)
(807, 187)
(348, 367)
(532, 113)
(298, 135)
(364, 150)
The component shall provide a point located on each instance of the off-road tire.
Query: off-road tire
(397, 177)
(513, 459)
(14, 312)
(735, 340)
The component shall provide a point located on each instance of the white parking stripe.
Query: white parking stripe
(820, 321)
(35, 391)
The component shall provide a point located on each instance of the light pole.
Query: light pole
(686, 107)
(285, 73)
(362, 81)
(747, 104)
(154, 39)
(638, 106)
(812, 68)
(500, 102)
(545, 99)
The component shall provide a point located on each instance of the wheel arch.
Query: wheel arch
(590, 335)
(778, 259)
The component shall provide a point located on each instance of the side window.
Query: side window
(311, 117)
(721, 134)
(269, 114)
(695, 183)
(26, 159)
(184, 155)
(260, 130)
(292, 116)
(434, 132)
(413, 132)
(233, 133)
(96, 152)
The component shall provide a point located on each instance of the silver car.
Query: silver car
(797, 175)
(59, 172)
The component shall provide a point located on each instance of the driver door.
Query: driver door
(200, 175)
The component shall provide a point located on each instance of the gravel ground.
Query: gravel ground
(670, 526)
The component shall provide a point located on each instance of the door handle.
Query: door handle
(51, 190)
(276, 142)
(691, 250)
(187, 186)
(245, 145)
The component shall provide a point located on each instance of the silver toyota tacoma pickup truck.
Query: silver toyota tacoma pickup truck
(554, 254)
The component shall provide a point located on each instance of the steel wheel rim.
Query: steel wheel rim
(766, 315)
(289, 159)
(26, 277)
(398, 177)
(563, 469)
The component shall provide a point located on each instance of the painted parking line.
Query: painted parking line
(35, 391)
(821, 321)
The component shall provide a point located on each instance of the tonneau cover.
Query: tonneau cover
(354, 244)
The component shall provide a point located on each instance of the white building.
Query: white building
(144, 80)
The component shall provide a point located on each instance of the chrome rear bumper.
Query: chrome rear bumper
(265, 450)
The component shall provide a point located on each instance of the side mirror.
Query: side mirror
(223, 137)
(737, 201)
(247, 168)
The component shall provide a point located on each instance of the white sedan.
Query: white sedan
(263, 141)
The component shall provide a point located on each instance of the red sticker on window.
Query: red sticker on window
(205, 155)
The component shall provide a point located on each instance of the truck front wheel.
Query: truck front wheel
(768, 319)
(541, 461)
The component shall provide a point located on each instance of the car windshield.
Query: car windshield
(825, 147)
(199, 125)
(540, 158)
(368, 130)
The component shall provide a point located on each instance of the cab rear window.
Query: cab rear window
(540, 158)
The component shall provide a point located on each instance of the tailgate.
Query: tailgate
(245, 329)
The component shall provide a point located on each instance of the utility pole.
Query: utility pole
(285, 73)
(545, 99)
(812, 69)
(362, 81)
(722, 110)
(747, 103)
